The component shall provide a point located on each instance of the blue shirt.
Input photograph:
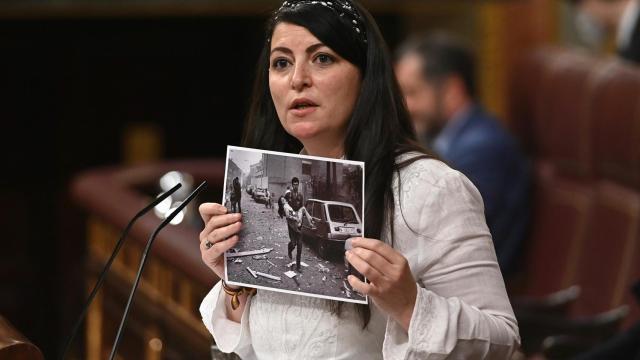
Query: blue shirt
(478, 146)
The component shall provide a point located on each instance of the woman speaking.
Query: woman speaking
(325, 87)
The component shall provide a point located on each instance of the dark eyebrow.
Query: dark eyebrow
(314, 47)
(309, 50)
(281, 49)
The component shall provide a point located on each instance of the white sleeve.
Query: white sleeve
(462, 309)
(228, 334)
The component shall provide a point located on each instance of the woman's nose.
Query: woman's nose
(301, 77)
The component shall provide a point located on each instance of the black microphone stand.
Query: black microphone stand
(143, 261)
(106, 268)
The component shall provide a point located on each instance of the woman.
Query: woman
(325, 87)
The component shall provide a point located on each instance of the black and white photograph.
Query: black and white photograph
(298, 213)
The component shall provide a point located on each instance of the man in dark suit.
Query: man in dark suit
(436, 74)
(598, 18)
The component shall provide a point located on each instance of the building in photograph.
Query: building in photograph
(234, 171)
(318, 179)
(278, 171)
(337, 182)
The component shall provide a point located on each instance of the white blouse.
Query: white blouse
(461, 310)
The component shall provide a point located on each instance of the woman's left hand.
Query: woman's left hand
(391, 284)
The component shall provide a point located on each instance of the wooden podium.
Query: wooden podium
(164, 322)
(13, 345)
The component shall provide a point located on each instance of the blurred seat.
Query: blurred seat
(548, 114)
(562, 124)
(563, 165)
(608, 250)
(602, 271)
(549, 108)
(617, 156)
(616, 112)
(582, 124)
(525, 92)
(562, 212)
(607, 268)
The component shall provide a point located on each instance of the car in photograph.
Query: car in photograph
(330, 224)
(260, 195)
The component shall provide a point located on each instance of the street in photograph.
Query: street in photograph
(298, 211)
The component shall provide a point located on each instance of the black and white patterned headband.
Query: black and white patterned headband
(343, 8)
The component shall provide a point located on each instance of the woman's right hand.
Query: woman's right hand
(221, 230)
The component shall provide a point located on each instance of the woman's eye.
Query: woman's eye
(280, 63)
(324, 59)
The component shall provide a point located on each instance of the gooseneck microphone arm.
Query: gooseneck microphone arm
(107, 266)
(143, 261)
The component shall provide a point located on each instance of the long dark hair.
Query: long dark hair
(379, 129)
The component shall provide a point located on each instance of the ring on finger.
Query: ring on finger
(208, 244)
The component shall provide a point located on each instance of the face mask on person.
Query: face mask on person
(590, 31)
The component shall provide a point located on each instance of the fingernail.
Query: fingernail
(348, 253)
(348, 245)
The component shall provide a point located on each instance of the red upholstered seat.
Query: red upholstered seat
(525, 92)
(562, 126)
(561, 216)
(616, 119)
(581, 120)
(616, 137)
(608, 250)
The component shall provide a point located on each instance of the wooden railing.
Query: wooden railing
(164, 321)
(13, 345)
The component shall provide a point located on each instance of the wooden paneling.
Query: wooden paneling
(161, 316)
(164, 321)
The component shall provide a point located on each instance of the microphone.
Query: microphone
(107, 266)
(143, 261)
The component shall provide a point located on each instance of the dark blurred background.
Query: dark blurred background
(86, 84)
(80, 80)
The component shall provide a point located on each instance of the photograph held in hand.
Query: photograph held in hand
(298, 212)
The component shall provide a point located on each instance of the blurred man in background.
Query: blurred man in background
(437, 77)
(598, 18)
